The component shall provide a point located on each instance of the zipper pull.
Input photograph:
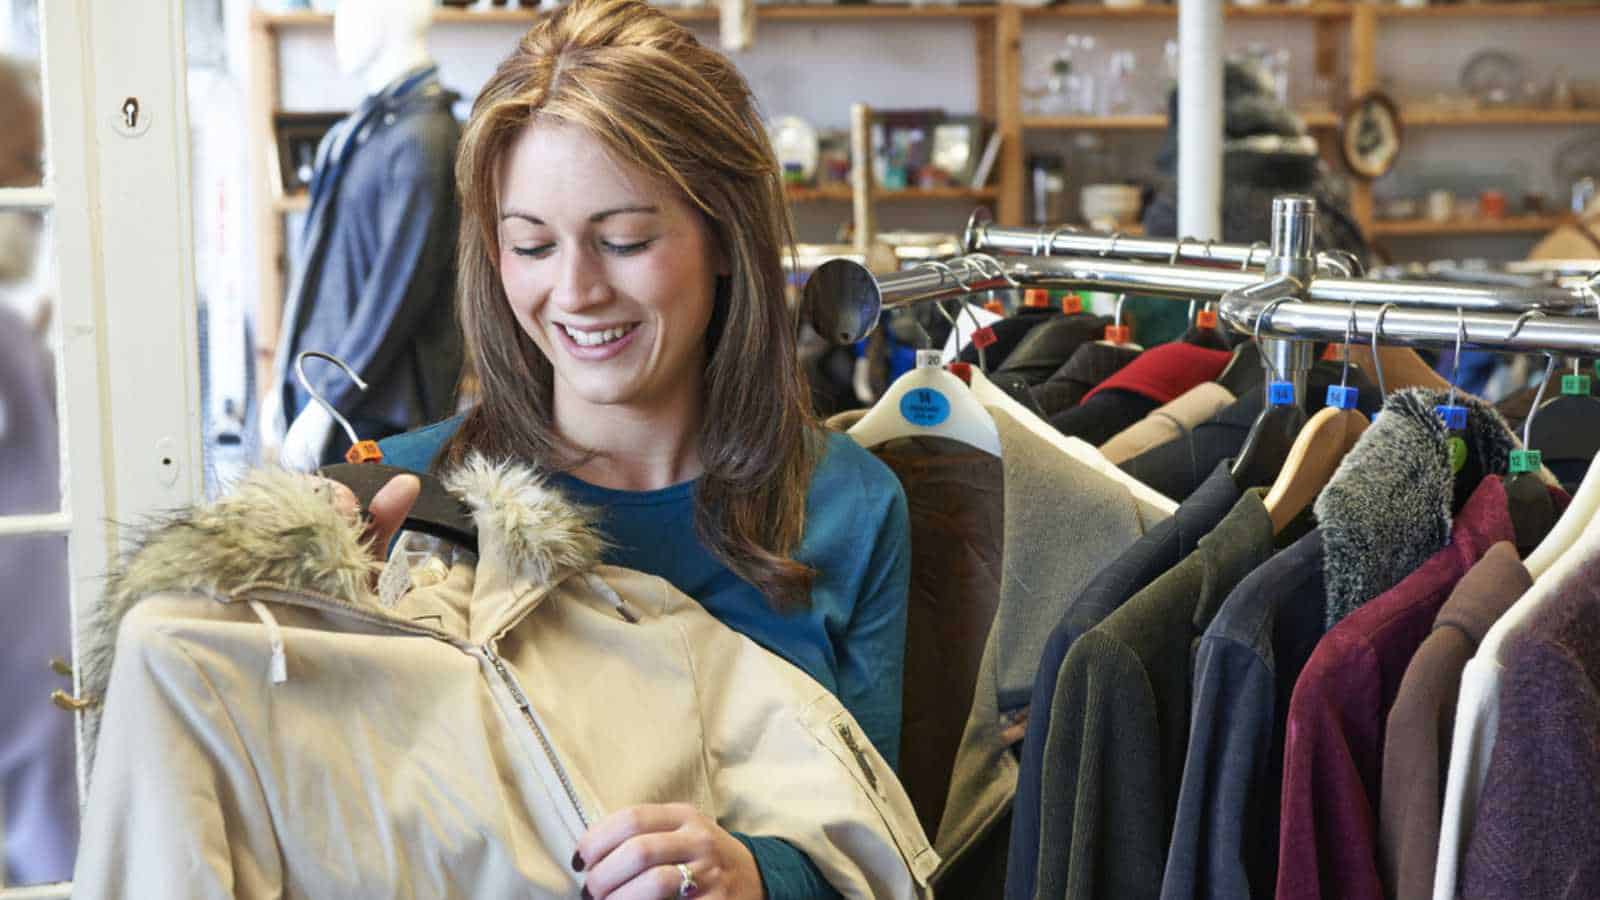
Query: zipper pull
(849, 738)
(599, 586)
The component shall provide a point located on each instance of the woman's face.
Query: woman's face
(610, 272)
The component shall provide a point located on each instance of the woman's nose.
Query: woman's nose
(581, 282)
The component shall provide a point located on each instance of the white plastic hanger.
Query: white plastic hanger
(928, 401)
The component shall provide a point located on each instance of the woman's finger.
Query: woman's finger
(609, 833)
(632, 869)
(388, 511)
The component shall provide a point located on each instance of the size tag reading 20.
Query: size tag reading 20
(925, 407)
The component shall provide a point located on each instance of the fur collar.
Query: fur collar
(1389, 506)
(279, 530)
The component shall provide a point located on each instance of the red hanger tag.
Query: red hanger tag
(1206, 319)
(1072, 304)
(1035, 297)
(983, 338)
(1119, 334)
(961, 370)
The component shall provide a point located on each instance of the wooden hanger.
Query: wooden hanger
(1315, 456)
(1318, 449)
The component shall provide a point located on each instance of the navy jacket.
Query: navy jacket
(376, 282)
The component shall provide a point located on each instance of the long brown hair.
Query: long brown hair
(655, 98)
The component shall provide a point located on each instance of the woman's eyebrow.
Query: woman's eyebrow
(597, 217)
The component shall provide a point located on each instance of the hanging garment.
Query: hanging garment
(1177, 468)
(1417, 735)
(1537, 832)
(1047, 557)
(1008, 333)
(1090, 364)
(1328, 843)
(1156, 376)
(1161, 548)
(1119, 720)
(1371, 534)
(38, 776)
(969, 318)
(273, 729)
(1168, 422)
(1048, 347)
(377, 272)
(1225, 833)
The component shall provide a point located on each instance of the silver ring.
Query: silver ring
(688, 886)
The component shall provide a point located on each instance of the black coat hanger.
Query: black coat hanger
(1266, 448)
(1243, 371)
(437, 511)
(1568, 426)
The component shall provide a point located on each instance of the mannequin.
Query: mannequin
(375, 283)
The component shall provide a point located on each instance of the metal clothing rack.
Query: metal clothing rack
(1289, 302)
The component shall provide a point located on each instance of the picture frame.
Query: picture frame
(1370, 133)
(296, 136)
(957, 147)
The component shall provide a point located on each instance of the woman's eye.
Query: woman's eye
(625, 249)
(537, 252)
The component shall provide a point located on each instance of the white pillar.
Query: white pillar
(1200, 55)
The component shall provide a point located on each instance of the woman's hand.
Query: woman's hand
(634, 854)
(386, 514)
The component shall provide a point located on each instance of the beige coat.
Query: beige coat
(272, 728)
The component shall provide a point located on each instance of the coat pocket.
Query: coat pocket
(834, 728)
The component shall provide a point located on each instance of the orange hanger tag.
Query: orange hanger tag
(1333, 353)
(1119, 334)
(1206, 319)
(1036, 298)
(961, 370)
(1071, 304)
(363, 452)
(996, 307)
(983, 338)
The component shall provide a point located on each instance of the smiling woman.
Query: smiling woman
(621, 290)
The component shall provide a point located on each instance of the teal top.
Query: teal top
(852, 637)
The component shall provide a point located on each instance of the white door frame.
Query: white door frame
(127, 363)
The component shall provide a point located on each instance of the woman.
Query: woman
(622, 294)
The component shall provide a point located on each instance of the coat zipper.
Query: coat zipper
(320, 601)
(544, 741)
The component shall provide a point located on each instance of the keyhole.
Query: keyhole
(130, 112)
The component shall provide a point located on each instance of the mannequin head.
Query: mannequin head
(380, 40)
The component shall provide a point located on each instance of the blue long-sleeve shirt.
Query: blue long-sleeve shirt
(851, 639)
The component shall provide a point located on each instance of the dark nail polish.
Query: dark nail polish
(585, 894)
(577, 861)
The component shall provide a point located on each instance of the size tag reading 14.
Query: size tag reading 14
(925, 407)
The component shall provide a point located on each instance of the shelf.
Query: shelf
(1167, 11)
(1320, 119)
(1430, 228)
(842, 194)
(798, 13)
(1488, 11)
(1422, 116)
(446, 16)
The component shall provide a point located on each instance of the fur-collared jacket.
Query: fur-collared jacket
(272, 727)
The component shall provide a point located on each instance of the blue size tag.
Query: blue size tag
(1280, 393)
(1455, 417)
(925, 407)
(1342, 397)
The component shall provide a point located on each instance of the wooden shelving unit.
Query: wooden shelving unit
(1430, 228)
(1346, 34)
(1422, 116)
(1320, 119)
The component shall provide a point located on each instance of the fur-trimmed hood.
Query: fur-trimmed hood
(1390, 504)
(280, 530)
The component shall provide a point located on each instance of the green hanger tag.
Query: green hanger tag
(1458, 453)
(1575, 385)
(1524, 461)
